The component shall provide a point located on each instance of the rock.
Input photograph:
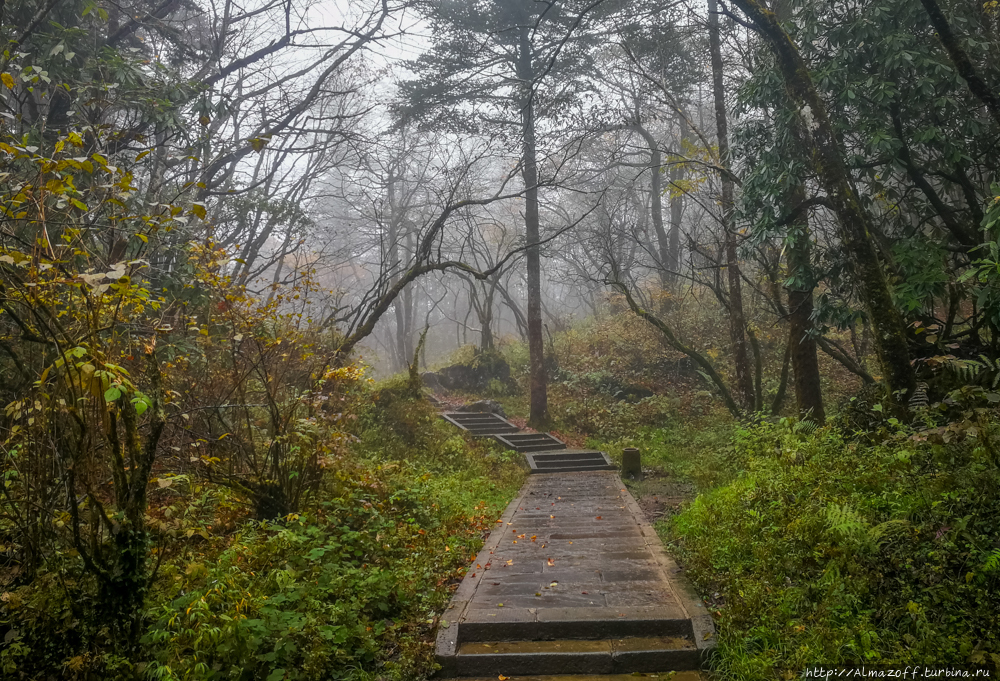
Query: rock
(484, 406)
(633, 393)
(477, 375)
(458, 377)
(431, 381)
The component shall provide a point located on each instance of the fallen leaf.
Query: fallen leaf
(554, 583)
(583, 592)
(534, 537)
(597, 518)
(551, 562)
(500, 605)
(515, 541)
(571, 542)
(503, 678)
(538, 593)
(510, 562)
(552, 516)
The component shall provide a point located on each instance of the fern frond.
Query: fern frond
(919, 399)
(992, 563)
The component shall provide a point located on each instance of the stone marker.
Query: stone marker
(631, 465)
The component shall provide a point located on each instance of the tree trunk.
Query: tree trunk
(399, 345)
(737, 321)
(855, 226)
(539, 408)
(805, 366)
(656, 207)
(960, 58)
(676, 207)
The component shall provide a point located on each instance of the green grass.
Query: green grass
(826, 549)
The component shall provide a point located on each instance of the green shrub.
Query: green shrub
(833, 550)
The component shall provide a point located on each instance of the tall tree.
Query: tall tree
(855, 223)
(494, 66)
(737, 318)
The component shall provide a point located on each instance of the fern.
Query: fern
(972, 371)
(846, 523)
(965, 370)
(993, 366)
(888, 531)
(919, 399)
(805, 427)
(992, 563)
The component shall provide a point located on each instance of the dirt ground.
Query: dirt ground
(659, 494)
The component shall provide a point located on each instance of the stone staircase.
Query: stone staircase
(544, 452)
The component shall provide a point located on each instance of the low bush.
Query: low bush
(829, 549)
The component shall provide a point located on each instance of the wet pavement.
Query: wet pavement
(574, 580)
(573, 548)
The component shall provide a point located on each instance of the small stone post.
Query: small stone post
(631, 464)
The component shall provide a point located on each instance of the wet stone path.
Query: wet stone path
(573, 580)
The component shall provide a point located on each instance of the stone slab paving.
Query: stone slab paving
(572, 543)
(573, 559)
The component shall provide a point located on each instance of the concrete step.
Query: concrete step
(605, 656)
(569, 461)
(479, 424)
(575, 623)
(671, 675)
(531, 442)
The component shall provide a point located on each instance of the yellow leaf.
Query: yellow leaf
(8, 80)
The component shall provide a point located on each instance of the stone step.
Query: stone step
(604, 656)
(531, 442)
(592, 623)
(569, 460)
(671, 675)
(480, 424)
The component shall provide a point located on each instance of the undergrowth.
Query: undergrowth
(350, 587)
(830, 549)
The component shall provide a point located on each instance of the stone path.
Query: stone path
(573, 580)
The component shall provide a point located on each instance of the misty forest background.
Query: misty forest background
(758, 240)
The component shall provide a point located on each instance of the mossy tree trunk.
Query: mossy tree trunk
(855, 226)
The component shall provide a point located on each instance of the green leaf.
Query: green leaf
(112, 394)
